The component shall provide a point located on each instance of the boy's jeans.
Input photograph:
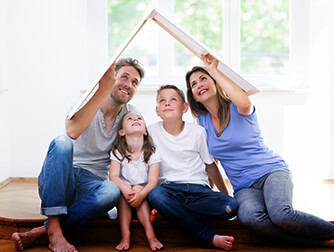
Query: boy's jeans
(75, 194)
(184, 204)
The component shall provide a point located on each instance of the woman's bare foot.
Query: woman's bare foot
(124, 244)
(22, 240)
(155, 244)
(58, 243)
(223, 242)
(154, 216)
(329, 243)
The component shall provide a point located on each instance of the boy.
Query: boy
(184, 195)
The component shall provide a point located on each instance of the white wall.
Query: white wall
(45, 67)
(4, 119)
(53, 49)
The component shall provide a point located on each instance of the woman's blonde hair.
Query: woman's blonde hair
(122, 147)
(198, 108)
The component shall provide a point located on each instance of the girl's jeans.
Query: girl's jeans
(73, 193)
(267, 207)
(184, 204)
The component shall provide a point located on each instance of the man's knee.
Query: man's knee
(62, 144)
(108, 194)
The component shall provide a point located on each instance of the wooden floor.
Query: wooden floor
(19, 201)
(7, 246)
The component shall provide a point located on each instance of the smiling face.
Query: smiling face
(127, 80)
(133, 123)
(170, 106)
(202, 86)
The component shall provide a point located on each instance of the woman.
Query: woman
(260, 178)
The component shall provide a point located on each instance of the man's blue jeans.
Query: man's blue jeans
(267, 207)
(73, 193)
(184, 204)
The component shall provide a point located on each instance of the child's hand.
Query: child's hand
(135, 199)
(126, 193)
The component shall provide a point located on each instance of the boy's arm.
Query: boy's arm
(153, 177)
(114, 171)
(214, 173)
(81, 119)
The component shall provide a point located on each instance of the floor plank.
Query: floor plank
(7, 246)
(19, 200)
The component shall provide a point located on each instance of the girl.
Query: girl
(261, 179)
(135, 169)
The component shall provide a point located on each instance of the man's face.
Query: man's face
(127, 80)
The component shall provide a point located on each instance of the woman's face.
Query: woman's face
(202, 86)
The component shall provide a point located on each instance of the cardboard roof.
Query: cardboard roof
(185, 38)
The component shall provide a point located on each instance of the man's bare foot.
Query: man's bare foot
(223, 242)
(23, 240)
(155, 244)
(58, 243)
(154, 216)
(123, 245)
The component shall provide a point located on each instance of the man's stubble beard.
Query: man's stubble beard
(116, 99)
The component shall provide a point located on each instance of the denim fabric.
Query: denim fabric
(75, 194)
(184, 204)
(267, 207)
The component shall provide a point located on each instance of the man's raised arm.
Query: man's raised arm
(81, 119)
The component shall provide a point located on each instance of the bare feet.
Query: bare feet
(22, 240)
(58, 243)
(124, 244)
(223, 242)
(155, 244)
(154, 216)
(329, 243)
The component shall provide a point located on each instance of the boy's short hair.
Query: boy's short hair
(130, 62)
(171, 86)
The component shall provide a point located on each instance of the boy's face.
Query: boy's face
(170, 105)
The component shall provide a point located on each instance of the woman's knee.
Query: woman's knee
(282, 217)
(251, 215)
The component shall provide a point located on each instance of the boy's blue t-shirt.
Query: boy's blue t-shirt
(240, 149)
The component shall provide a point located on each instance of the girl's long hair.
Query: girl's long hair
(198, 108)
(123, 148)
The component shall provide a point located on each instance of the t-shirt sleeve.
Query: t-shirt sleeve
(203, 148)
(113, 157)
(155, 157)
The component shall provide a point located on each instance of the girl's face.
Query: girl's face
(133, 123)
(202, 86)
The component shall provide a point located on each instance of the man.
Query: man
(73, 184)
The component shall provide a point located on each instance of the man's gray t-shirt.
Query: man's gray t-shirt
(91, 149)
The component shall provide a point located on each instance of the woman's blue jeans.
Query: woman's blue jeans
(267, 207)
(73, 193)
(184, 204)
